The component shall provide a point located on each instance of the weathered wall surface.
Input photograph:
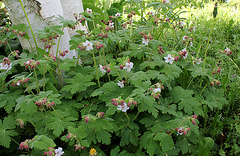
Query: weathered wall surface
(42, 13)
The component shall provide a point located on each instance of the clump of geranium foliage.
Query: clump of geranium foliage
(130, 90)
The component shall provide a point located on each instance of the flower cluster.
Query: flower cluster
(103, 35)
(31, 64)
(182, 130)
(127, 65)
(49, 40)
(160, 50)
(15, 53)
(79, 147)
(88, 10)
(50, 56)
(6, 64)
(197, 60)
(24, 145)
(79, 17)
(100, 114)
(183, 53)
(63, 53)
(218, 69)
(215, 82)
(227, 51)
(44, 102)
(105, 69)
(22, 81)
(98, 46)
(20, 122)
(166, 1)
(54, 152)
(146, 38)
(156, 90)
(123, 105)
(131, 14)
(50, 152)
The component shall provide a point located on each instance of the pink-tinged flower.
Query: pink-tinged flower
(194, 122)
(86, 118)
(129, 66)
(227, 50)
(88, 45)
(123, 107)
(152, 13)
(185, 53)
(157, 90)
(182, 23)
(180, 131)
(194, 116)
(145, 41)
(111, 25)
(59, 152)
(6, 66)
(169, 59)
(89, 10)
(194, 29)
(121, 84)
(166, 1)
(117, 14)
(102, 68)
(184, 38)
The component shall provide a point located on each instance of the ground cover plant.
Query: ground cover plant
(151, 78)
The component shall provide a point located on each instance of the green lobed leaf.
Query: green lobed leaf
(6, 131)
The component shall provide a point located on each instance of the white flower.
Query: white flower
(184, 38)
(117, 14)
(194, 29)
(180, 131)
(88, 45)
(227, 50)
(182, 23)
(123, 107)
(111, 25)
(199, 61)
(128, 66)
(5, 66)
(165, 1)
(18, 83)
(157, 90)
(121, 84)
(186, 54)
(28, 62)
(169, 59)
(145, 41)
(152, 13)
(89, 10)
(102, 68)
(59, 152)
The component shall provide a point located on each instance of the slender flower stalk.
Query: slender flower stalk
(125, 74)
(29, 89)
(127, 118)
(205, 57)
(118, 73)
(44, 75)
(57, 113)
(35, 73)
(29, 24)
(58, 44)
(94, 60)
(169, 69)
